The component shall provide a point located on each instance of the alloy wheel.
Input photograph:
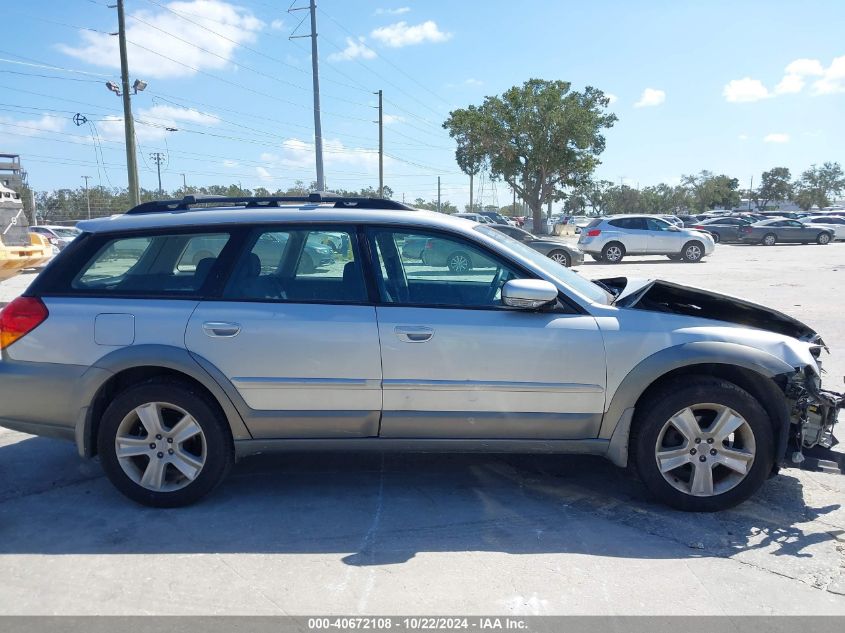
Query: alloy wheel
(613, 254)
(560, 257)
(705, 449)
(459, 263)
(160, 446)
(693, 252)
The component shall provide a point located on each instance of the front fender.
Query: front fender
(616, 422)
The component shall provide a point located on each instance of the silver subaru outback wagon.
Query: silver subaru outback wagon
(185, 334)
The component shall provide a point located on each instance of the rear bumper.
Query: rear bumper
(45, 398)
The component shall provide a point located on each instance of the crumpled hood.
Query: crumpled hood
(664, 296)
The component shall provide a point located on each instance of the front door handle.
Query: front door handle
(219, 329)
(413, 333)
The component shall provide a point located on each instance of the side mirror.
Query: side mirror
(529, 294)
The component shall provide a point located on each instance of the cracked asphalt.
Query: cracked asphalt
(439, 534)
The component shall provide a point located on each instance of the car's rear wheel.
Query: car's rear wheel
(597, 258)
(716, 237)
(613, 253)
(823, 238)
(692, 252)
(769, 239)
(561, 257)
(702, 444)
(675, 258)
(164, 444)
(459, 262)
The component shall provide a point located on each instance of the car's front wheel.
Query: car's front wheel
(701, 444)
(561, 257)
(459, 262)
(823, 238)
(769, 239)
(164, 444)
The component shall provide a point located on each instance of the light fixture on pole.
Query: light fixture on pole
(139, 86)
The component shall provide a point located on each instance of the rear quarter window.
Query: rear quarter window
(152, 265)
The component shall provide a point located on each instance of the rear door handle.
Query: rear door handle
(413, 333)
(219, 329)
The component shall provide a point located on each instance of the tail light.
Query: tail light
(593, 232)
(699, 227)
(19, 318)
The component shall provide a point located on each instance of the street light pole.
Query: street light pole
(128, 121)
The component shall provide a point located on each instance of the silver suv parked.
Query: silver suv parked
(169, 365)
(610, 239)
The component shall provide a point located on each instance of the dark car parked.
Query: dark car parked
(725, 229)
(557, 250)
(771, 232)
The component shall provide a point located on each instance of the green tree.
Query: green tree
(708, 191)
(819, 186)
(431, 205)
(540, 138)
(776, 186)
(466, 127)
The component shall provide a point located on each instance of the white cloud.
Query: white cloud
(263, 174)
(299, 154)
(402, 34)
(31, 127)
(743, 137)
(791, 83)
(151, 123)
(804, 67)
(776, 137)
(745, 90)
(267, 157)
(398, 11)
(389, 119)
(354, 50)
(235, 23)
(611, 98)
(473, 82)
(833, 78)
(227, 162)
(277, 25)
(651, 97)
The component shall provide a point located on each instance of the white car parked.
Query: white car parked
(833, 222)
(610, 239)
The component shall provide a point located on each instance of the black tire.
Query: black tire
(218, 446)
(673, 397)
(675, 258)
(597, 258)
(693, 252)
(615, 250)
(459, 262)
(716, 237)
(769, 239)
(823, 239)
(561, 257)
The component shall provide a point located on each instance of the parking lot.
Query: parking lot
(441, 534)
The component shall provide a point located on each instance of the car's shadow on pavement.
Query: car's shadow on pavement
(378, 509)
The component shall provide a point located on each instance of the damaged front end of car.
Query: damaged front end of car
(813, 411)
(813, 414)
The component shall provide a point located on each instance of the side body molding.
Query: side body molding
(135, 356)
(616, 424)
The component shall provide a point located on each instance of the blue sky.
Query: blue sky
(733, 87)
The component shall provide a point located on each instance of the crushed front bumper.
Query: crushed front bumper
(814, 413)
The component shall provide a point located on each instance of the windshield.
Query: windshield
(552, 269)
(66, 232)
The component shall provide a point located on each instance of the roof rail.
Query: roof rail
(256, 202)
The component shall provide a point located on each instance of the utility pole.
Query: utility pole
(87, 196)
(128, 121)
(158, 159)
(438, 194)
(184, 184)
(471, 210)
(380, 147)
(315, 78)
(750, 192)
(513, 208)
